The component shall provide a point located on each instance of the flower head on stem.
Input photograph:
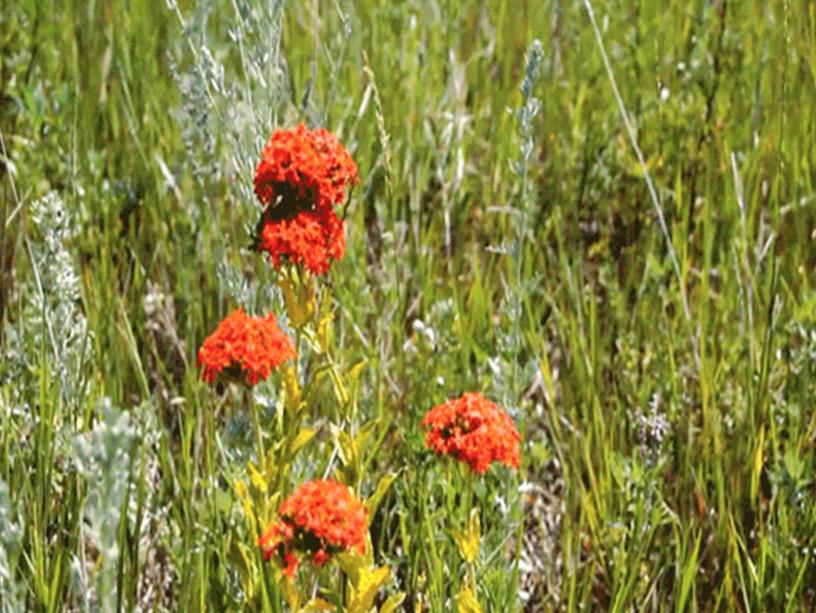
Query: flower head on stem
(302, 176)
(245, 348)
(473, 430)
(319, 519)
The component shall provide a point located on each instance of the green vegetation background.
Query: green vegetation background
(573, 315)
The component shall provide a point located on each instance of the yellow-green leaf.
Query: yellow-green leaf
(366, 589)
(345, 444)
(363, 435)
(466, 602)
(356, 370)
(300, 300)
(373, 501)
(271, 463)
(468, 540)
(291, 388)
(256, 477)
(393, 602)
(303, 437)
(290, 593)
(756, 473)
(340, 391)
(317, 604)
(324, 331)
(352, 564)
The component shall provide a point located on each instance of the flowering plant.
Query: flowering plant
(302, 176)
(473, 430)
(304, 169)
(301, 179)
(319, 519)
(245, 348)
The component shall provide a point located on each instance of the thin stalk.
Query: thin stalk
(630, 130)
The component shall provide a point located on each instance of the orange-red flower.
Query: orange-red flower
(319, 519)
(473, 430)
(302, 176)
(309, 238)
(305, 169)
(244, 347)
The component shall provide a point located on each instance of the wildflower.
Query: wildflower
(319, 519)
(302, 176)
(473, 430)
(244, 347)
(307, 238)
(304, 170)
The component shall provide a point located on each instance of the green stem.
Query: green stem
(256, 422)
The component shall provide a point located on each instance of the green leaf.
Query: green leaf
(361, 440)
(373, 501)
(317, 604)
(352, 564)
(393, 602)
(241, 558)
(345, 444)
(303, 437)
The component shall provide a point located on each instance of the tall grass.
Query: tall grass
(662, 373)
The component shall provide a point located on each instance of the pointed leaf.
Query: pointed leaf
(468, 540)
(393, 603)
(303, 437)
(369, 583)
(373, 501)
(345, 444)
(256, 477)
(290, 593)
(467, 603)
(352, 564)
(361, 440)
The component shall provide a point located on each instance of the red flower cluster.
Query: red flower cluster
(319, 519)
(307, 168)
(301, 177)
(473, 430)
(244, 347)
(310, 238)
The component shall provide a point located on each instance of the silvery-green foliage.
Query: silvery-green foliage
(11, 537)
(51, 218)
(151, 521)
(506, 365)
(53, 312)
(104, 457)
(227, 116)
(236, 285)
(254, 297)
(196, 132)
(510, 375)
(236, 111)
(14, 402)
(530, 107)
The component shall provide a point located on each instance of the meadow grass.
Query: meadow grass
(504, 238)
